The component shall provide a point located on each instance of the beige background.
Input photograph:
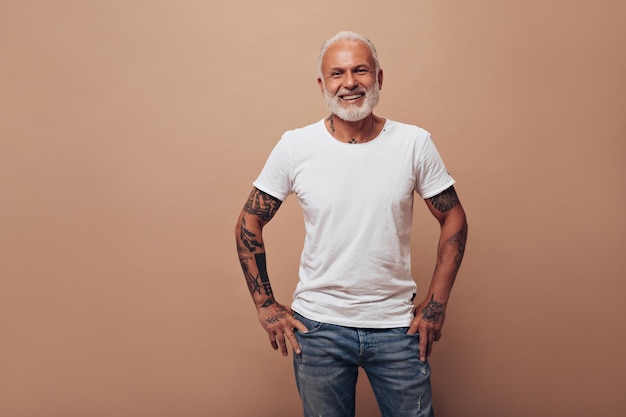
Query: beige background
(131, 131)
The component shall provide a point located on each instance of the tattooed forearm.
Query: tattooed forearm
(433, 310)
(258, 283)
(445, 201)
(249, 238)
(258, 210)
(261, 265)
(253, 283)
(262, 204)
(457, 240)
(461, 238)
(252, 280)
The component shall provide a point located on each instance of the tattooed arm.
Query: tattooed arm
(430, 313)
(274, 317)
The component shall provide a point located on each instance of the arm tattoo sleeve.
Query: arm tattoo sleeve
(262, 204)
(250, 246)
(251, 279)
(458, 240)
(446, 200)
(265, 280)
(248, 238)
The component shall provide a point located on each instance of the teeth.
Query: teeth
(353, 97)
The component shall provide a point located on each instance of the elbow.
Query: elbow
(248, 221)
(238, 223)
(455, 218)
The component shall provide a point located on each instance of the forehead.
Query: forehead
(347, 54)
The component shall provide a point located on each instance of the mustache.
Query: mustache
(345, 92)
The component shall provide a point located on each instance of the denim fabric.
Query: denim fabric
(326, 371)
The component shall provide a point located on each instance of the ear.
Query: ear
(321, 84)
(380, 79)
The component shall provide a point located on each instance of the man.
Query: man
(355, 175)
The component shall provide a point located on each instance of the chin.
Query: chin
(352, 113)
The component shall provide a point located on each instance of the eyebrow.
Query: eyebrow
(356, 67)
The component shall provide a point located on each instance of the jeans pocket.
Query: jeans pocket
(403, 330)
(311, 325)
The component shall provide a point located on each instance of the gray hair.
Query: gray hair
(346, 35)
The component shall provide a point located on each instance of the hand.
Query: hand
(278, 322)
(428, 321)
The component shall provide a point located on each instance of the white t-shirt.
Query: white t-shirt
(357, 201)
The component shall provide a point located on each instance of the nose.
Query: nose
(350, 81)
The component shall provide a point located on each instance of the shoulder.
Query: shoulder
(304, 140)
(411, 138)
(311, 130)
(406, 130)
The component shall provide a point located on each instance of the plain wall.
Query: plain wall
(130, 132)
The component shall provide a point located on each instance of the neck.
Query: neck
(359, 131)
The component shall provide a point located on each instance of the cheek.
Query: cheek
(332, 87)
(368, 82)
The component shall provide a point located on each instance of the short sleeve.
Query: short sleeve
(432, 176)
(275, 177)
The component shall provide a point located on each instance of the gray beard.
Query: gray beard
(353, 113)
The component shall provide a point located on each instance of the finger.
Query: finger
(429, 348)
(294, 342)
(281, 342)
(423, 347)
(273, 342)
(295, 323)
(437, 336)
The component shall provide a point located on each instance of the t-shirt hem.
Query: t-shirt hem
(355, 324)
(269, 191)
(439, 190)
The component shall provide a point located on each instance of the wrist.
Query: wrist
(269, 301)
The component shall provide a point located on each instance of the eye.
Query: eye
(335, 74)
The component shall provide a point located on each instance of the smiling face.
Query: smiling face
(349, 80)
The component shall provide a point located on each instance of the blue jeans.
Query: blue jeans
(327, 369)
